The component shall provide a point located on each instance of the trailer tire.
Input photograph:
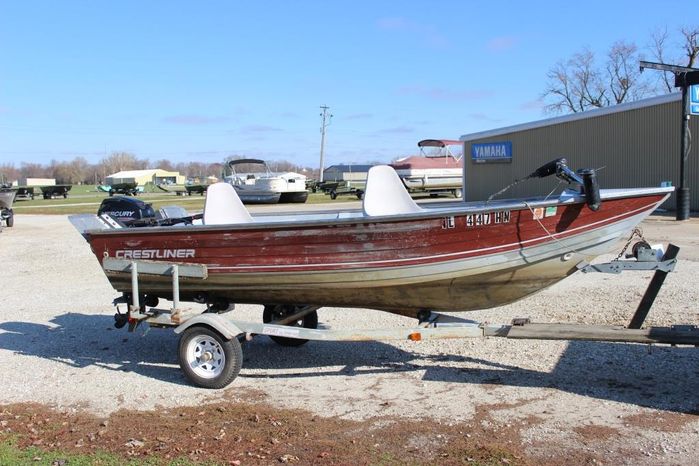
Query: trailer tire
(333, 195)
(10, 221)
(207, 359)
(308, 321)
(458, 193)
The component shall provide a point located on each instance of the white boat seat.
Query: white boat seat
(385, 194)
(223, 206)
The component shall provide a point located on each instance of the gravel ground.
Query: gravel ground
(629, 403)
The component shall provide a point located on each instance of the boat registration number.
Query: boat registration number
(487, 218)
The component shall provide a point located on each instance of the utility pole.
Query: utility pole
(684, 78)
(325, 122)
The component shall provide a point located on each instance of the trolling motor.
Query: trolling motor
(586, 178)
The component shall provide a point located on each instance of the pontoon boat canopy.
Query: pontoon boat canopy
(438, 143)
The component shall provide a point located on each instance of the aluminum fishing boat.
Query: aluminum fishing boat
(436, 169)
(392, 255)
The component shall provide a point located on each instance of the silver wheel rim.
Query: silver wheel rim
(205, 356)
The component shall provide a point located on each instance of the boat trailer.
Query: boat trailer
(210, 352)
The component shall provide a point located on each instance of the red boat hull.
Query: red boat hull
(446, 260)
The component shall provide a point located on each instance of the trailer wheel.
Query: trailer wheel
(207, 359)
(333, 195)
(458, 193)
(10, 220)
(271, 313)
(360, 195)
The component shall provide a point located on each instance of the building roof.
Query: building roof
(662, 99)
(350, 168)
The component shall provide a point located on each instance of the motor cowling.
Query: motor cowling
(127, 210)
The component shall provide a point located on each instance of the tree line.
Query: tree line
(80, 171)
(584, 81)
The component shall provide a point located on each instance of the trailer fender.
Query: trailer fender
(222, 325)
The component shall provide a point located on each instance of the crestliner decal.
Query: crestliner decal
(487, 218)
(154, 253)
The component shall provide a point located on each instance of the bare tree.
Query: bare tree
(623, 73)
(8, 173)
(163, 164)
(120, 161)
(580, 84)
(691, 45)
(686, 54)
(658, 50)
(33, 170)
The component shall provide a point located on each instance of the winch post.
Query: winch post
(175, 287)
(653, 289)
(134, 286)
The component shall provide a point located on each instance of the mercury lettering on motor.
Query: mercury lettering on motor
(120, 213)
(488, 218)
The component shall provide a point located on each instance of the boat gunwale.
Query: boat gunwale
(425, 214)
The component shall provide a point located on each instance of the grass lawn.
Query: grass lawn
(11, 454)
(85, 199)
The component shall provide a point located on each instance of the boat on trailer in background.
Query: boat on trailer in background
(392, 255)
(265, 187)
(7, 197)
(438, 168)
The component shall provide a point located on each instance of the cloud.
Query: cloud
(501, 43)
(537, 104)
(484, 117)
(397, 130)
(251, 129)
(359, 116)
(438, 93)
(425, 32)
(195, 119)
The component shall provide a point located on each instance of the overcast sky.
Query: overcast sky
(203, 80)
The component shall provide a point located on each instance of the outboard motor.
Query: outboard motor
(128, 210)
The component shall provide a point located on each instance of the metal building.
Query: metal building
(632, 145)
(141, 177)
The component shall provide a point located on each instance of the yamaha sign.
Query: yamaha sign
(490, 152)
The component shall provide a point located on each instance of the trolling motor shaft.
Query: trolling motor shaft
(586, 178)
